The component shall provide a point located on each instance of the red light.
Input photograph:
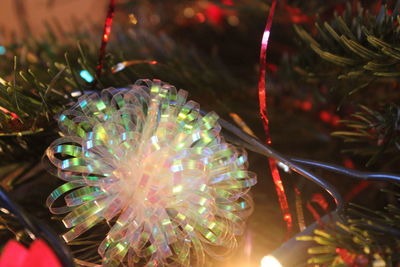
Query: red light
(348, 163)
(272, 67)
(325, 116)
(306, 105)
(7, 112)
(200, 17)
(214, 14)
(227, 2)
(335, 120)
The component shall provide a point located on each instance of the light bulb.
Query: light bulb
(270, 261)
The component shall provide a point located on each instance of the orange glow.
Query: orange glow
(133, 19)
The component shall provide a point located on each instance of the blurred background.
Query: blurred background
(20, 16)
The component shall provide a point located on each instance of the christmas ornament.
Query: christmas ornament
(147, 162)
(38, 255)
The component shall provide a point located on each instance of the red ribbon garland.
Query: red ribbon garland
(106, 37)
(321, 201)
(287, 216)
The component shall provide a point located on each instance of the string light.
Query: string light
(133, 19)
(188, 12)
(270, 261)
(233, 20)
(2, 50)
(86, 76)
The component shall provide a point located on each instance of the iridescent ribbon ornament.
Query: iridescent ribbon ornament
(146, 159)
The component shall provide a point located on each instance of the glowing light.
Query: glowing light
(76, 94)
(284, 167)
(32, 58)
(2, 81)
(270, 261)
(6, 111)
(227, 2)
(306, 105)
(188, 12)
(200, 17)
(4, 210)
(86, 76)
(2, 50)
(133, 19)
(177, 189)
(233, 20)
(214, 14)
(265, 37)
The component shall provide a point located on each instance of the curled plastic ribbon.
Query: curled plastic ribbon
(146, 161)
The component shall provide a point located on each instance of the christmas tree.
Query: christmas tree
(333, 130)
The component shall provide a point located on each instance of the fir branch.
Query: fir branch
(367, 237)
(376, 132)
(38, 76)
(355, 45)
(357, 56)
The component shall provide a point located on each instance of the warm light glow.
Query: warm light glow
(133, 19)
(270, 261)
(233, 20)
(189, 12)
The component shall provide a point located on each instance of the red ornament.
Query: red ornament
(38, 255)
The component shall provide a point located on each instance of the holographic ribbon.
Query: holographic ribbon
(262, 96)
(145, 158)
